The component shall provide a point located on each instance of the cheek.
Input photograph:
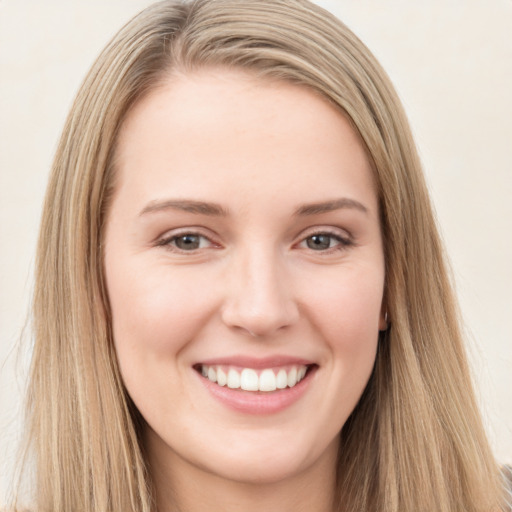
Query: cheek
(155, 311)
(346, 311)
(350, 303)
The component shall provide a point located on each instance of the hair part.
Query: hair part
(415, 441)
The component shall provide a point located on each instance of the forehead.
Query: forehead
(199, 132)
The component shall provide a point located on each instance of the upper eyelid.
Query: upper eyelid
(326, 230)
(190, 230)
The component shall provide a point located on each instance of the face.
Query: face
(245, 273)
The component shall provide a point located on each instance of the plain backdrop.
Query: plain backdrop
(451, 63)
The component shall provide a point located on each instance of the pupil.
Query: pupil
(317, 242)
(188, 242)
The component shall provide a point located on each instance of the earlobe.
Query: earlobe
(383, 321)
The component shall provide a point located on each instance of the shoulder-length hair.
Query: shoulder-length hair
(415, 441)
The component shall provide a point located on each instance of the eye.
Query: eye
(319, 242)
(188, 242)
(185, 242)
(325, 241)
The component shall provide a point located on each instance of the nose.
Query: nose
(259, 298)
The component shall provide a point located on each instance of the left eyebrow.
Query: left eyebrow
(329, 206)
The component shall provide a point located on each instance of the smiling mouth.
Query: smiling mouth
(248, 379)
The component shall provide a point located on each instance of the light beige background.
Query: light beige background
(452, 65)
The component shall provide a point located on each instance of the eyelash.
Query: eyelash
(168, 242)
(342, 243)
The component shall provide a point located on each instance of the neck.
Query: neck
(183, 487)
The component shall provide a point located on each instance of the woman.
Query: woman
(241, 297)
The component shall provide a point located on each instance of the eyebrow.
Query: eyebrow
(216, 210)
(329, 206)
(186, 205)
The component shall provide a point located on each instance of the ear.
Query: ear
(383, 318)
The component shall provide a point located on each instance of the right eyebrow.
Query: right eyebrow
(186, 205)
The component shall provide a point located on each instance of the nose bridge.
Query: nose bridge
(260, 299)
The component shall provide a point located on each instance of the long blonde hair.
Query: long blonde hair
(415, 442)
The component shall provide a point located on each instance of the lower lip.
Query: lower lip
(251, 402)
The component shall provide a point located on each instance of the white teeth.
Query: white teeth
(282, 379)
(249, 380)
(292, 377)
(267, 381)
(233, 379)
(222, 378)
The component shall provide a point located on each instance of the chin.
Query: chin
(272, 463)
(264, 470)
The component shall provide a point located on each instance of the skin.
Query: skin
(259, 151)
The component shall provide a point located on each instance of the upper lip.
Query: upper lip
(256, 362)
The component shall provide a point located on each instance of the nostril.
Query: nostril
(260, 305)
